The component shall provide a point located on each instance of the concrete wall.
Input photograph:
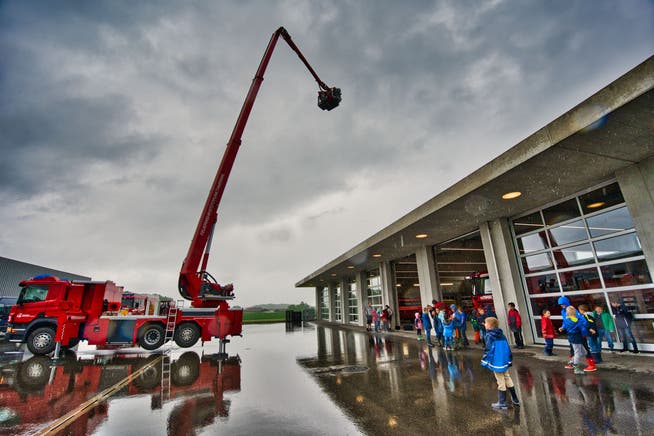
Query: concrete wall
(637, 186)
(504, 273)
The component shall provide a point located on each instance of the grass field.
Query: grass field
(261, 317)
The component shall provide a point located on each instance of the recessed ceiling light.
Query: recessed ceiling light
(376, 255)
(421, 236)
(398, 285)
(417, 285)
(350, 267)
(333, 274)
(446, 284)
(511, 195)
(596, 205)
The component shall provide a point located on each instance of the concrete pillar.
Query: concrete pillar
(389, 294)
(362, 295)
(504, 274)
(637, 186)
(330, 299)
(426, 275)
(318, 304)
(344, 303)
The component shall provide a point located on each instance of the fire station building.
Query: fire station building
(569, 211)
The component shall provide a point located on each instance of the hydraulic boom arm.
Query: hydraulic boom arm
(195, 283)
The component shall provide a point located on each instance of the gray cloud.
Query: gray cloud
(120, 111)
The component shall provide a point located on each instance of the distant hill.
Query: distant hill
(267, 308)
(271, 307)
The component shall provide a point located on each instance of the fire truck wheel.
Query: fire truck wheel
(41, 340)
(186, 369)
(34, 373)
(152, 336)
(187, 334)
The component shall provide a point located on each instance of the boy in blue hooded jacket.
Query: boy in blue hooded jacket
(498, 358)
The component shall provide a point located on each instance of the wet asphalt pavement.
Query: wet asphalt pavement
(315, 380)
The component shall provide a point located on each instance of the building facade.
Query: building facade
(569, 211)
(12, 272)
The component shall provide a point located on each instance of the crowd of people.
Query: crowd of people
(445, 326)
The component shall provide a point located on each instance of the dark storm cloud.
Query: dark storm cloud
(129, 104)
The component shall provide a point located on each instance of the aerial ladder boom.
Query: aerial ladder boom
(195, 283)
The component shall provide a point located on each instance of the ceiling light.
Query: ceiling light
(446, 283)
(417, 285)
(398, 285)
(376, 255)
(333, 274)
(421, 236)
(511, 195)
(596, 205)
(350, 267)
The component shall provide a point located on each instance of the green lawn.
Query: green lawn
(261, 317)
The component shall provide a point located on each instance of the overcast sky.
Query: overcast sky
(114, 116)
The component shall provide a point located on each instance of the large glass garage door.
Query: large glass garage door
(587, 249)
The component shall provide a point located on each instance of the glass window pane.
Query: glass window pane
(536, 262)
(576, 255)
(637, 302)
(561, 212)
(618, 247)
(533, 242)
(601, 198)
(590, 300)
(626, 274)
(610, 222)
(543, 284)
(567, 233)
(527, 223)
(541, 303)
(643, 331)
(578, 280)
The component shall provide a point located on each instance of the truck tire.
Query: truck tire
(33, 374)
(152, 337)
(186, 334)
(41, 340)
(186, 370)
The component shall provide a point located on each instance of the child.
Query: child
(481, 320)
(605, 327)
(574, 327)
(497, 357)
(417, 323)
(438, 326)
(448, 333)
(547, 328)
(426, 325)
(515, 325)
(592, 351)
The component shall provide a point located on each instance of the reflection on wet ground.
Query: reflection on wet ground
(410, 388)
(306, 381)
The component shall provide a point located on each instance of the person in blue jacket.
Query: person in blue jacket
(498, 358)
(426, 325)
(576, 330)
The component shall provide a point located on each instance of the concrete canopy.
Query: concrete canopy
(612, 129)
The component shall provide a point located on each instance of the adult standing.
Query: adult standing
(427, 324)
(623, 320)
(515, 325)
(369, 311)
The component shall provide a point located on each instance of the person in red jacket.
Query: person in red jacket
(515, 325)
(547, 328)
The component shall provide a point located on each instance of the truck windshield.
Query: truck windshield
(33, 293)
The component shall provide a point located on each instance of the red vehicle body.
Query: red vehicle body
(52, 312)
(34, 392)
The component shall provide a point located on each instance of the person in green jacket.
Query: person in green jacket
(607, 326)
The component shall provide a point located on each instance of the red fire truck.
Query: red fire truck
(53, 313)
(34, 392)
